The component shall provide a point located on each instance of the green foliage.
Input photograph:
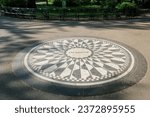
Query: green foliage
(2, 2)
(109, 4)
(105, 3)
(13, 3)
(71, 3)
(126, 6)
(85, 2)
(57, 3)
(97, 2)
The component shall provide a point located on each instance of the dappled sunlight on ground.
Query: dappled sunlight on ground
(17, 34)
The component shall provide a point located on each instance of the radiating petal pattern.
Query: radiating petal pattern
(78, 60)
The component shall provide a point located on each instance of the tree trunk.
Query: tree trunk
(47, 2)
(143, 1)
(31, 3)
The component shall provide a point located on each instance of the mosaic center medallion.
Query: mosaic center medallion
(79, 61)
(78, 52)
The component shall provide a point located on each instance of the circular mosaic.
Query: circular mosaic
(79, 61)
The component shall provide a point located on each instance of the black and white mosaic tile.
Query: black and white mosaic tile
(80, 66)
(79, 61)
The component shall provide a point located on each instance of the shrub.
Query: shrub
(128, 8)
(72, 3)
(14, 3)
(109, 4)
(97, 2)
(57, 3)
(85, 2)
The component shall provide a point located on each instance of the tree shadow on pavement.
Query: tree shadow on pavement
(20, 37)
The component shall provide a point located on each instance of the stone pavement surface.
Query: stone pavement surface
(17, 34)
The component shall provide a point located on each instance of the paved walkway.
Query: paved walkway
(17, 34)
